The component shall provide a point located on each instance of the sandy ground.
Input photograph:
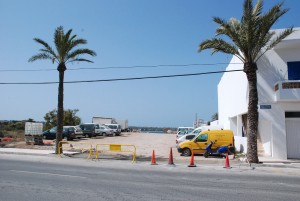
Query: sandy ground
(145, 143)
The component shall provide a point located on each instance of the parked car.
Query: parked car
(78, 131)
(182, 133)
(104, 130)
(189, 136)
(88, 129)
(68, 133)
(115, 127)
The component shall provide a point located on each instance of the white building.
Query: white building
(278, 84)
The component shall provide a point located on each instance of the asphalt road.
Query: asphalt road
(40, 180)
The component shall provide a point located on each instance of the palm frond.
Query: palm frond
(219, 45)
(80, 59)
(76, 42)
(79, 52)
(280, 37)
(257, 10)
(64, 43)
(40, 41)
(40, 56)
(67, 35)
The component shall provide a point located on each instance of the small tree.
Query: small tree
(215, 117)
(70, 118)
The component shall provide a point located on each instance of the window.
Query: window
(293, 70)
(292, 114)
(189, 137)
(202, 138)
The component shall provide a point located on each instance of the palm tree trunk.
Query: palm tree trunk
(252, 116)
(60, 108)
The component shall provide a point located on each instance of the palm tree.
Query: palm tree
(65, 45)
(249, 39)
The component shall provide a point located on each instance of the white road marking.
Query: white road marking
(45, 173)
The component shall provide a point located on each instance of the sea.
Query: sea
(152, 132)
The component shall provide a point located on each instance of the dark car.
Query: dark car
(68, 133)
(88, 129)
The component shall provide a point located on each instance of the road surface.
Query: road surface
(32, 180)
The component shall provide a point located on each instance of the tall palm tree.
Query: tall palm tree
(249, 39)
(65, 45)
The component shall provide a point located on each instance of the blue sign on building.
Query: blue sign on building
(263, 107)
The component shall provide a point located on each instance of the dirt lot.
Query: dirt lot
(144, 143)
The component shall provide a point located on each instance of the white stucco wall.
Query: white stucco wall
(232, 96)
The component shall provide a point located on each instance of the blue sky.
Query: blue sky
(123, 33)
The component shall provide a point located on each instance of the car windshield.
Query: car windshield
(65, 129)
(88, 126)
(196, 131)
(53, 130)
(112, 126)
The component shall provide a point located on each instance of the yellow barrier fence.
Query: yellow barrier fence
(116, 148)
(77, 147)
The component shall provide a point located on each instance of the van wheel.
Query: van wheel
(186, 152)
(103, 134)
(206, 154)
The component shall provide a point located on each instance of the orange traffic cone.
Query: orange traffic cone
(227, 162)
(171, 157)
(192, 161)
(153, 161)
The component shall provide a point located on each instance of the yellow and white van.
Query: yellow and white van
(203, 139)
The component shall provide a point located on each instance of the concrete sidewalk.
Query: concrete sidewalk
(264, 161)
(30, 151)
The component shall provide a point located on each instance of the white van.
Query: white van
(181, 131)
(115, 127)
(206, 128)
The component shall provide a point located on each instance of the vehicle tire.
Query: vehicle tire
(66, 138)
(186, 152)
(206, 154)
(103, 134)
(44, 137)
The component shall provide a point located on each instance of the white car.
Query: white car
(115, 127)
(189, 136)
(104, 130)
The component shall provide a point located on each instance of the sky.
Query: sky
(132, 38)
